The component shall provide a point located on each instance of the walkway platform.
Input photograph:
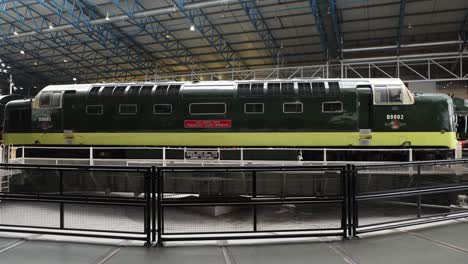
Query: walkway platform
(445, 242)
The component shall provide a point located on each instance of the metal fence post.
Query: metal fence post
(344, 204)
(153, 202)
(354, 189)
(147, 228)
(62, 209)
(159, 176)
(418, 182)
(254, 195)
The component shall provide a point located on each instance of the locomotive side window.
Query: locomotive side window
(287, 89)
(318, 88)
(304, 88)
(119, 91)
(161, 90)
(332, 107)
(173, 90)
(243, 89)
(146, 90)
(162, 109)
(292, 108)
(127, 109)
(133, 90)
(253, 108)
(333, 88)
(274, 89)
(94, 91)
(94, 109)
(107, 91)
(256, 89)
(207, 109)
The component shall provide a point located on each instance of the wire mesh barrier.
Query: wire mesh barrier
(398, 195)
(111, 202)
(251, 202)
(194, 203)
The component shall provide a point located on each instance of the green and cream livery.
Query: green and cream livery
(254, 113)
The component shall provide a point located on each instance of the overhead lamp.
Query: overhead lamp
(35, 63)
(3, 64)
(51, 26)
(192, 28)
(8, 67)
(107, 16)
(74, 79)
(5, 70)
(409, 26)
(22, 52)
(15, 33)
(65, 60)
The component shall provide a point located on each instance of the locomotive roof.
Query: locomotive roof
(220, 84)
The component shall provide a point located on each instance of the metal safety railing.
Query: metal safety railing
(173, 203)
(180, 156)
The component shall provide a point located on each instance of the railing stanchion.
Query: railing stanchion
(159, 186)
(254, 195)
(153, 202)
(62, 209)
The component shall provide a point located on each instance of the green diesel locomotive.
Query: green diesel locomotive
(253, 113)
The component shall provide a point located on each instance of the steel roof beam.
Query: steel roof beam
(160, 34)
(401, 22)
(21, 14)
(201, 22)
(320, 26)
(78, 16)
(336, 28)
(263, 30)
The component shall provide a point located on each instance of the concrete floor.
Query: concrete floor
(442, 243)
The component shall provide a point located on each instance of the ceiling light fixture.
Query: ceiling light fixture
(65, 60)
(107, 16)
(15, 33)
(22, 52)
(192, 28)
(51, 26)
(409, 26)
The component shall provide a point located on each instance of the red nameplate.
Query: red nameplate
(207, 123)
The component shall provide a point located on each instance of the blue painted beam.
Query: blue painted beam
(214, 37)
(336, 27)
(319, 25)
(401, 23)
(263, 30)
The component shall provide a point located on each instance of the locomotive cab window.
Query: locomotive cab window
(332, 107)
(94, 109)
(207, 108)
(392, 94)
(253, 108)
(292, 108)
(127, 109)
(162, 109)
(50, 100)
